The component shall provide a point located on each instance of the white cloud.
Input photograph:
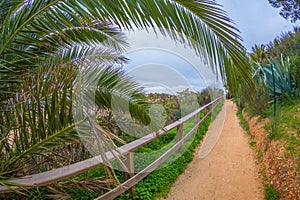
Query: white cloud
(156, 59)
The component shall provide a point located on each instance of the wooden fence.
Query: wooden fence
(126, 150)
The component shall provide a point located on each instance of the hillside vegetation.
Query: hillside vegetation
(274, 110)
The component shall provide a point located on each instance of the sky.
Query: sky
(257, 20)
(162, 70)
(161, 65)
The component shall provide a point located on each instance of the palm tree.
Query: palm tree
(36, 33)
(44, 44)
(259, 54)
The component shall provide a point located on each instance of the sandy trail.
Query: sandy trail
(227, 172)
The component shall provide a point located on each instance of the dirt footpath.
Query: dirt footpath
(227, 172)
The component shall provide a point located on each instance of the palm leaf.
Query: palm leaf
(45, 33)
(200, 24)
(100, 85)
(41, 147)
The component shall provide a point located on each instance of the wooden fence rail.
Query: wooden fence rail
(58, 174)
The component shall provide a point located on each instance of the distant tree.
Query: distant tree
(290, 9)
(258, 54)
(287, 44)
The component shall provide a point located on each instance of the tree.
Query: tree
(34, 31)
(290, 9)
(258, 54)
(44, 44)
(287, 44)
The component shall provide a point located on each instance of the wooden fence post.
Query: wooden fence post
(179, 133)
(197, 119)
(129, 162)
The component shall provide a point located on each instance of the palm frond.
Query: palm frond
(200, 24)
(102, 85)
(47, 33)
(41, 147)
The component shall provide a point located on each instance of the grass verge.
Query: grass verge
(287, 128)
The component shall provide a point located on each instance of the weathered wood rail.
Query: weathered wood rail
(58, 174)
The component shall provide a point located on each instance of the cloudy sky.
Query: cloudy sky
(162, 70)
(160, 65)
(257, 20)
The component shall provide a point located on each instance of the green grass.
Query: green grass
(271, 193)
(285, 127)
(244, 124)
(217, 110)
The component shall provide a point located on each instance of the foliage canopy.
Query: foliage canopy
(290, 9)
